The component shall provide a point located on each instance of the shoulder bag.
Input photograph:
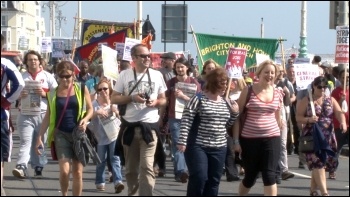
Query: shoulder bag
(306, 143)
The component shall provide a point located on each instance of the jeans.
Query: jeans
(179, 158)
(205, 169)
(115, 164)
(283, 162)
(342, 139)
(6, 141)
(28, 127)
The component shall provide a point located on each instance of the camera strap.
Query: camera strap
(138, 81)
(149, 80)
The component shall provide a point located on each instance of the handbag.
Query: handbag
(122, 107)
(53, 145)
(306, 144)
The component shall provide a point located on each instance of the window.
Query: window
(37, 40)
(37, 25)
(3, 4)
(4, 21)
(37, 12)
(22, 21)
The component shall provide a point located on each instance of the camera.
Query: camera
(145, 96)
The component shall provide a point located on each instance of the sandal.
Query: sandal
(332, 175)
(314, 193)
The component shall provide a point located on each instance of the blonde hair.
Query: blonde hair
(265, 63)
(241, 84)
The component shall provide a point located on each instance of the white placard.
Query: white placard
(305, 74)
(46, 45)
(110, 63)
(30, 105)
(129, 43)
(260, 58)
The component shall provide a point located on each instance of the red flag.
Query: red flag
(76, 68)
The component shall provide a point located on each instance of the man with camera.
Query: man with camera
(142, 91)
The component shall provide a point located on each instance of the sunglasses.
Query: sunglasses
(144, 55)
(65, 76)
(100, 89)
(320, 87)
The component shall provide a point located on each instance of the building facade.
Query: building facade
(22, 25)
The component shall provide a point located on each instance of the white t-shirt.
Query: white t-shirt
(48, 83)
(139, 111)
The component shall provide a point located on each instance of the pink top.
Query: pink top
(260, 121)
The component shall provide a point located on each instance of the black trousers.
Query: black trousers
(230, 163)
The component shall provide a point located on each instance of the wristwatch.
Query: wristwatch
(236, 142)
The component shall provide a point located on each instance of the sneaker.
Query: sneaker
(287, 175)
(19, 172)
(232, 178)
(301, 165)
(38, 172)
(119, 187)
(100, 187)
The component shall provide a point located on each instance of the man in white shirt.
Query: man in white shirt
(143, 90)
(28, 125)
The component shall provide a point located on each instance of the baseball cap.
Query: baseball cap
(326, 65)
(169, 55)
(293, 55)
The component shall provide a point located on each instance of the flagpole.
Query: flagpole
(195, 40)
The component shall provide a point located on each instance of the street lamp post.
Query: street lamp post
(60, 18)
(303, 43)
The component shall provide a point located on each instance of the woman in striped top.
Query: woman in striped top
(260, 137)
(203, 135)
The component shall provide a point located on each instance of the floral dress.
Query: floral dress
(325, 114)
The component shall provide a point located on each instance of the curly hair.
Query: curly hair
(216, 80)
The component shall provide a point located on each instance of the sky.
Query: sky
(242, 19)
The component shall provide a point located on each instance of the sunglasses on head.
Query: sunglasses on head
(144, 55)
(65, 76)
(320, 87)
(100, 89)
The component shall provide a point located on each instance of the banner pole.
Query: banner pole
(195, 40)
(228, 88)
(282, 52)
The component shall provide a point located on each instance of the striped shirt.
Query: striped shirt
(214, 117)
(261, 120)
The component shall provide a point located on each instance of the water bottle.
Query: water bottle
(42, 157)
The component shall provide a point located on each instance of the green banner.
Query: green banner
(216, 47)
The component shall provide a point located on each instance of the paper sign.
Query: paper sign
(305, 74)
(342, 47)
(235, 62)
(46, 45)
(260, 58)
(109, 61)
(129, 43)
